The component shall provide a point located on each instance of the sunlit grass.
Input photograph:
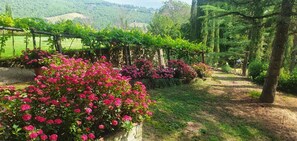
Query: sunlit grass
(179, 105)
(20, 45)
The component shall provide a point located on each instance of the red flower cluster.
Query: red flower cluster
(75, 99)
(34, 58)
(143, 69)
(182, 70)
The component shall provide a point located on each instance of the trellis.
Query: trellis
(126, 48)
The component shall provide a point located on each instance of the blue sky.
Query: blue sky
(144, 3)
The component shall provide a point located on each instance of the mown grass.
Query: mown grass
(180, 105)
(21, 45)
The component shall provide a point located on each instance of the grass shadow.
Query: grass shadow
(177, 106)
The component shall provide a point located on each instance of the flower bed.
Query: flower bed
(73, 100)
(177, 73)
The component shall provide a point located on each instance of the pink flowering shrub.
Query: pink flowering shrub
(141, 69)
(164, 73)
(34, 58)
(75, 100)
(182, 70)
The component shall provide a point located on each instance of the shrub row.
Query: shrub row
(156, 77)
(287, 81)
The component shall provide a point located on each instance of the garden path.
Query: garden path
(15, 75)
(280, 117)
(224, 107)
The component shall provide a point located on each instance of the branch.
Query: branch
(246, 17)
(240, 3)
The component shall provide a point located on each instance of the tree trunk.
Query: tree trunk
(256, 49)
(34, 39)
(244, 64)
(280, 39)
(193, 21)
(204, 30)
(212, 34)
(58, 44)
(293, 54)
(288, 50)
(196, 22)
(13, 48)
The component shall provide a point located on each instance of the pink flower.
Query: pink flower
(50, 121)
(26, 117)
(78, 122)
(40, 118)
(90, 117)
(77, 110)
(149, 113)
(118, 102)
(53, 137)
(69, 89)
(43, 137)
(27, 100)
(58, 121)
(88, 110)
(29, 128)
(84, 137)
(129, 101)
(101, 127)
(25, 107)
(55, 102)
(107, 102)
(63, 99)
(114, 122)
(40, 132)
(92, 97)
(91, 136)
(82, 96)
(103, 57)
(127, 118)
(33, 135)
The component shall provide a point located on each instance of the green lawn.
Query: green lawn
(188, 112)
(20, 45)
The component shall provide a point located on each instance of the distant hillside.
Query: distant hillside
(98, 13)
(69, 16)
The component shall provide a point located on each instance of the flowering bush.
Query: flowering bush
(130, 71)
(163, 73)
(182, 70)
(141, 69)
(74, 100)
(34, 58)
(145, 68)
(202, 70)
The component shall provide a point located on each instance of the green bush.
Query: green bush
(288, 82)
(226, 68)
(256, 68)
(260, 78)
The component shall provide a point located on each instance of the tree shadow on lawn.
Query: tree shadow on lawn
(237, 86)
(188, 112)
(231, 78)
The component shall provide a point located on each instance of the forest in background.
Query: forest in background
(258, 34)
(98, 13)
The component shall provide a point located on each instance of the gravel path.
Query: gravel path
(15, 75)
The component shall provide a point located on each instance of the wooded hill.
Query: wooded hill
(98, 13)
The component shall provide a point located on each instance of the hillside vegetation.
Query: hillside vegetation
(99, 13)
